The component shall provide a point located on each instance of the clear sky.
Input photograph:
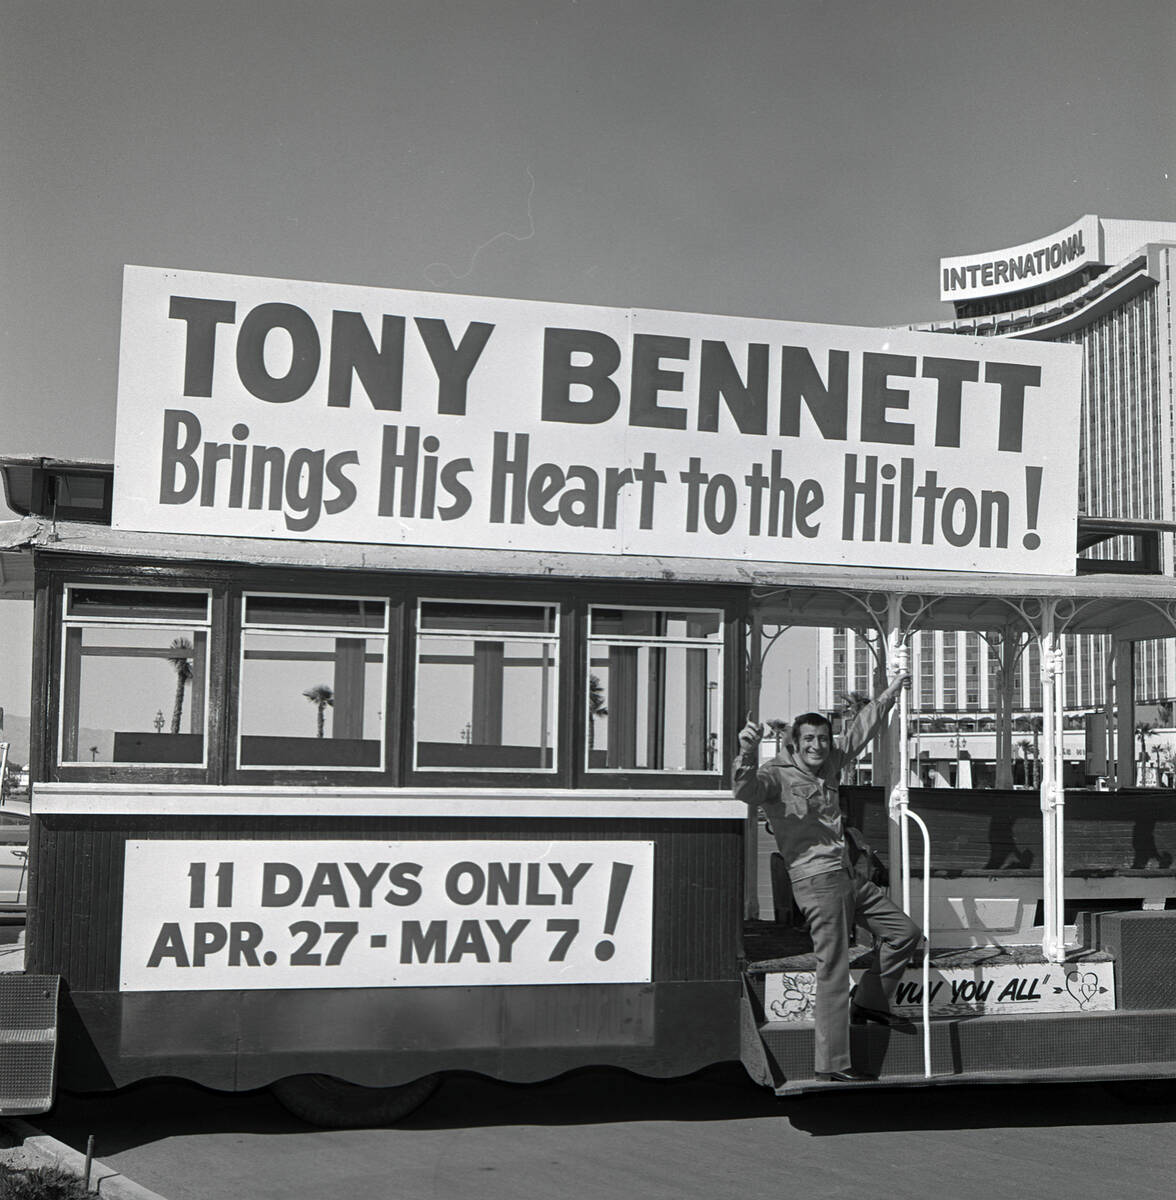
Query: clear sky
(801, 160)
(782, 158)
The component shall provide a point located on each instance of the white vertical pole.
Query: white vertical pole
(1053, 795)
(1059, 804)
(1048, 765)
(898, 789)
(908, 816)
(898, 655)
(901, 660)
(1125, 716)
(1110, 689)
(755, 678)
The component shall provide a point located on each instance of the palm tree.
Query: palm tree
(596, 707)
(1165, 759)
(1142, 729)
(321, 696)
(181, 653)
(1026, 748)
(1035, 724)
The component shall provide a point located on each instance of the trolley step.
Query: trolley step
(28, 1042)
(1148, 1074)
(1128, 1044)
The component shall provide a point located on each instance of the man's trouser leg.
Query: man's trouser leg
(897, 938)
(827, 903)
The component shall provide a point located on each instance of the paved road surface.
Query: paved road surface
(604, 1135)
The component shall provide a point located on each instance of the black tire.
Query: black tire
(1143, 1091)
(335, 1104)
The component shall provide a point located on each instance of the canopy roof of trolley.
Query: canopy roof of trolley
(66, 506)
(1131, 605)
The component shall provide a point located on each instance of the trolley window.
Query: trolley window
(313, 682)
(134, 674)
(487, 683)
(654, 700)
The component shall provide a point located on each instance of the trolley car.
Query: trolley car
(341, 816)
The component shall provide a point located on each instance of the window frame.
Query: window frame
(226, 586)
(242, 628)
(421, 636)
(717, 643)
(77, 767)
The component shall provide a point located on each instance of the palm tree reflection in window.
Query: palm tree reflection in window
(596, 708)
(322, 697)
(180, 653)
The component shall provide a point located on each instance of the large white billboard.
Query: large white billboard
(284, 409)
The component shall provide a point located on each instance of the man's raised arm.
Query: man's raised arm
(747, 785)
(870, 718)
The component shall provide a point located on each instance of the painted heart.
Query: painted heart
(1082, 986)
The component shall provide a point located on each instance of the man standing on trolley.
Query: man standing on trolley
(798, 791)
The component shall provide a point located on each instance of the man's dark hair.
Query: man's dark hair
(815, 719)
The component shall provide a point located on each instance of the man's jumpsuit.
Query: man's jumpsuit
(804, 811)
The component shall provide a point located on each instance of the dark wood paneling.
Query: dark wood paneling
(1001, 830)
(76, 897)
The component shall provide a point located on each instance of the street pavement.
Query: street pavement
(604, 1135)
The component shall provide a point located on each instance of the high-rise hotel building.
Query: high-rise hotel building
(1108, 286)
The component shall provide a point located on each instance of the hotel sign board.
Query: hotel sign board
(271, 408)
(1018, 268)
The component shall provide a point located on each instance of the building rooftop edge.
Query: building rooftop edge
(1064, 314)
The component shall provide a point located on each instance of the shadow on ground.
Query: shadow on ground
(152, 1112)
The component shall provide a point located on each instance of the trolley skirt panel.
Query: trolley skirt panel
(683, 1016)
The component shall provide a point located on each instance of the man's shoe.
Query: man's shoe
(859, 1016)
(850, 1076)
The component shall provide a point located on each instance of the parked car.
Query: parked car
(14, 860)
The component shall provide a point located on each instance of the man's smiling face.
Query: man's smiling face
(813, 744)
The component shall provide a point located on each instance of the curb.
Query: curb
(48, 1151)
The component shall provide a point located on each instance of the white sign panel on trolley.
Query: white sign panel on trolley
(976, 990)
(214, 915)
(282, 409)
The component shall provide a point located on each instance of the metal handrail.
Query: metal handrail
(906, 815)
(900, 803)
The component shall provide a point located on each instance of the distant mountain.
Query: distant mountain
(16, 734)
